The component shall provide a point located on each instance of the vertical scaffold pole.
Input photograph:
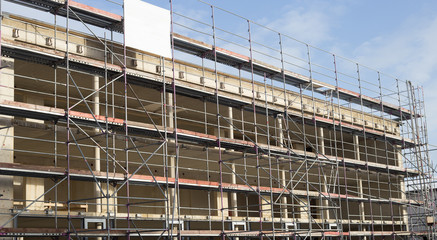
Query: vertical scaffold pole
(108, 216)
(386, 156)
(126, 127)
(175, 132)
(67, 62)
(339, 217)
(269, 159)
(218, 116)
(366, 152)
(260, 202)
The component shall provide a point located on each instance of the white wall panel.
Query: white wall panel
(147, 27)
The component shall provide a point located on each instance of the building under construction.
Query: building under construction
(216, 128)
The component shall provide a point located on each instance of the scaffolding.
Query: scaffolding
(237, 136)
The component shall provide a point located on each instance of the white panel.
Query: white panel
(147, 27)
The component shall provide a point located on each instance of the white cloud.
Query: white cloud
(299, 22)
(408, 50)
(311, 24)
(410, 53)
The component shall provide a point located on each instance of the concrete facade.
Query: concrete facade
(194, 152)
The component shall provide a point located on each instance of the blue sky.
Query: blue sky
(397, 37)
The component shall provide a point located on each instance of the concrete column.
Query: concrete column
(34, 187)
(218, 203)
(280, 135)
(111, 201)
(96, 165)
(266, 206)
(231, 120)
(6, 140)
(169, 109)
(356, 142)
(321, 140)
(399, 157)
(321, 150)
(96, 162)
(171, 160)
(303, 209)
(404, 197)
(96, 110)
(400, 163)
(361, 205)
(361, 195)
(284, 199)
(217, 196)
(234, 203)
